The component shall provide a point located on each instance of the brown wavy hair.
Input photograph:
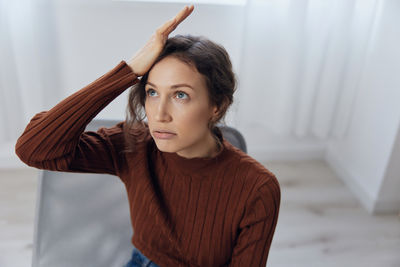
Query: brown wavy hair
(210, 59)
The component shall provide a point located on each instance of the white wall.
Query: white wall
(363, 155)
(388, 195)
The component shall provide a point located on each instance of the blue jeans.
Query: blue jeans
(139, 260)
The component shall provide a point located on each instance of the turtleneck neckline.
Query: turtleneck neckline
(197, 166)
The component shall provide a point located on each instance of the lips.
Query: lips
(163, 131)
(162, 134)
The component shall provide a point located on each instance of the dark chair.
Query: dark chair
(82, 219)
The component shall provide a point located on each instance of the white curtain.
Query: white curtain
(301, 64)
(11, 107)
(28, 51)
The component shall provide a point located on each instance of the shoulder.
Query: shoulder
(250, 170)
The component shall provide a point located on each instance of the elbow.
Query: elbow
(26, 150)
(22, 153)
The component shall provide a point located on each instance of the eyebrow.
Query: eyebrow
(175, 86)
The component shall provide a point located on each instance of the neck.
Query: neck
(211, 149)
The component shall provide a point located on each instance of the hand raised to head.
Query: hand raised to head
(142, 61)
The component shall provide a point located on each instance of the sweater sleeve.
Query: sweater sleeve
(55, 139)
(257, 227)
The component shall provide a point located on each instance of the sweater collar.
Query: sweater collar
(198, 166)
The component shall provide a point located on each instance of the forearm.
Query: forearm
(53, 134)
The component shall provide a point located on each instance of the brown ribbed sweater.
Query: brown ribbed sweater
(219, 211)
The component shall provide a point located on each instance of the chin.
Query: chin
(165, 148)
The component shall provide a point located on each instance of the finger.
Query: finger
(163, 28)
(170, 25)
(183, 14)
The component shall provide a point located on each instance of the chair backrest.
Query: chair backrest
(82, 219)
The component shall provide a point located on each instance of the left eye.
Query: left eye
(181, 94)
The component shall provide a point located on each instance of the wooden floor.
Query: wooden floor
(320, 222)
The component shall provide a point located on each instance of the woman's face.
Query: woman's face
(177, 101)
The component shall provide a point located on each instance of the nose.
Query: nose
(162, 113)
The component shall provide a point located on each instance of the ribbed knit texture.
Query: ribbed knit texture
(219, 211)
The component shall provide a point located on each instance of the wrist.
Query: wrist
(132, 68)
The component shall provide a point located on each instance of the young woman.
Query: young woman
(195, 199)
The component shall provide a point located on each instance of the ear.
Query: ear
(215, 111)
